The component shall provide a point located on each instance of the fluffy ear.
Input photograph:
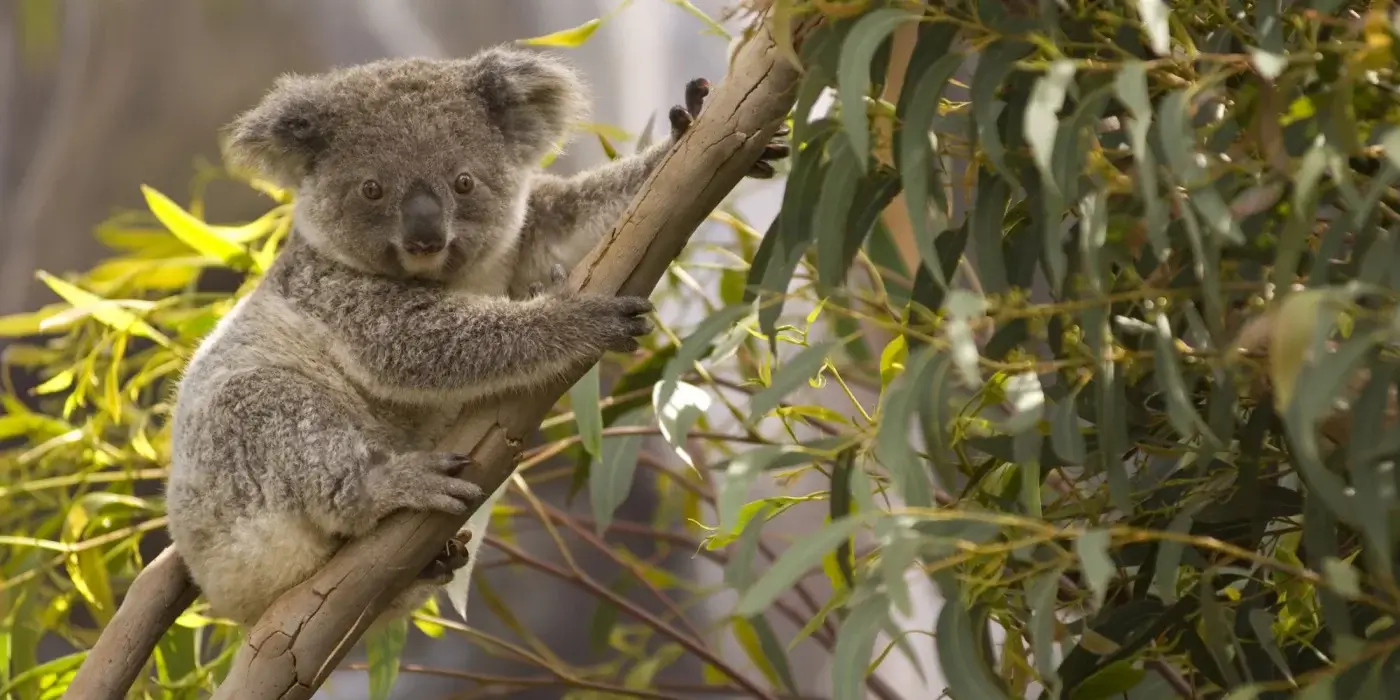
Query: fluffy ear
(532, 98)
(281, 138)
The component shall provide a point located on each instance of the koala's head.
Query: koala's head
(411, 167)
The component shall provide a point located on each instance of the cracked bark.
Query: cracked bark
(301, 639)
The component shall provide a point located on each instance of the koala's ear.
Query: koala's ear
(281, 138)
(532, 98)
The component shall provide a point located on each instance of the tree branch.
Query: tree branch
(156, 598)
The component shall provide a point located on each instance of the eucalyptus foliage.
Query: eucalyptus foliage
(1149, 345)
(1084, 312)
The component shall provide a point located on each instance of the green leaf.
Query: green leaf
(853, 74)
(892, 360)
(1111, 681)
(917, 160)
(1262, 623)
(694, 347)
(566, 38)
(1092, 549)
(676, 416)
(986, 221)
(583, 398)
(745, 467)
(1130, 84)
(1179, 146)
(1169, 554)
(838, 195)
(1042, 119)
(383, 649)
(30, 323)
(993, 66)
(1215, 627)
(1155, 17)
(959, 655)
(1180, 411)
(711, 26)
(739, 572)
(1066, 436)
(761, 645)
(795, 562)
(1342, 578)
(1040, 598)
(855, 642)
(610, 482)
(107, 312)
(840, 502)
(897, 554)
(793, 373)
(892, 434)
(195, 233)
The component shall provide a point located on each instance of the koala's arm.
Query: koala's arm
(422, 344)
(565, 217)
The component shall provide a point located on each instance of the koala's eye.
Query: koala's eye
(371, 190)
(463, 184)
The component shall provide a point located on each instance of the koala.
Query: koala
(424, 273)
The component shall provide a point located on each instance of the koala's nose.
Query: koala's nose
(422, 224)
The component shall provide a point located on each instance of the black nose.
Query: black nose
(422, 224)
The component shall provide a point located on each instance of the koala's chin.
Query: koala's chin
(424, 265)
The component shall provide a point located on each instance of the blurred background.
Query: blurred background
(100, 97)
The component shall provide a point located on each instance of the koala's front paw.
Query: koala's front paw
(424, 481)
(453, 556)
(615, 323)
(683, 116)
(558, 278)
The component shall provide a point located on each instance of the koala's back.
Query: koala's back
(260, 410)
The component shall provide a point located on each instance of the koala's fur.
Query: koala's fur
(313, 408)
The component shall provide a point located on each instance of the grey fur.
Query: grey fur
(312, 410)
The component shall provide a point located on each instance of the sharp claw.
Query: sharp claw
(783, 130)
(762, 170)
(776, 150)
(680, 120)
(695, 93)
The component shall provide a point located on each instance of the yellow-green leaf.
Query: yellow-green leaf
(1292, 329)
(892, 360)
(20, 325)
(748, 639)
(566, 38)
(106, 311)
(195, 233)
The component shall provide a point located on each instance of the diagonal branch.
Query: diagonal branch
(304, 635)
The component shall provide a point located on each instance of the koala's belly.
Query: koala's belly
(259, 558)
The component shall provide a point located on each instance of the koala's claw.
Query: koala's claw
(618, 321)
(695, 93)
(453, 556)
(425, 481)
(683, 116)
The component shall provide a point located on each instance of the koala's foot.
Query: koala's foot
(424, 481)
(558, 277)
(453, 556)
(683, 116)
(613, 323)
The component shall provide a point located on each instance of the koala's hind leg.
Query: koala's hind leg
(454, 556)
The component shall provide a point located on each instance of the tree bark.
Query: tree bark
(301, 639)
(156, 598)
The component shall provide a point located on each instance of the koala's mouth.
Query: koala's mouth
(424, 262)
